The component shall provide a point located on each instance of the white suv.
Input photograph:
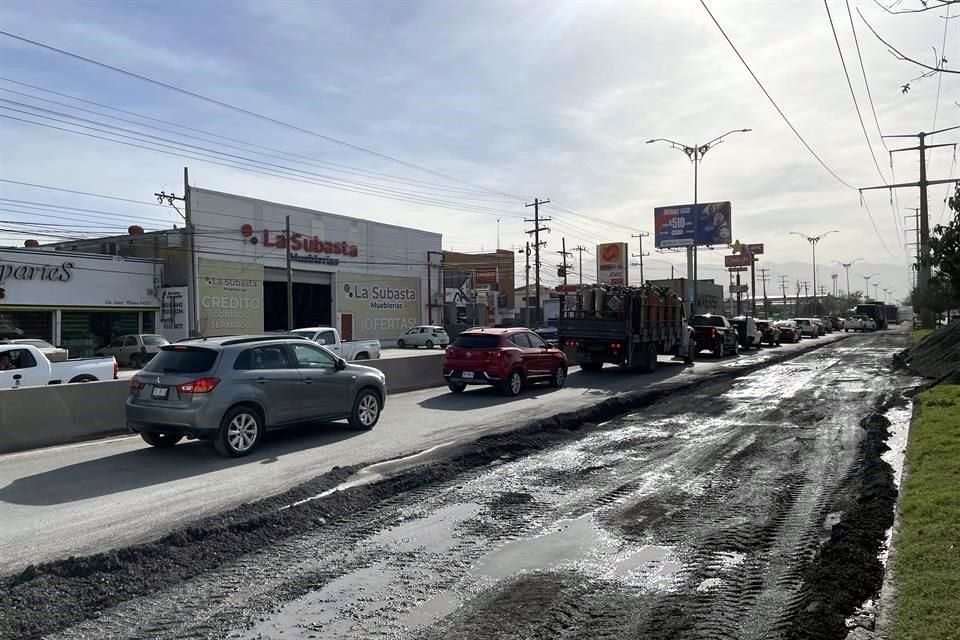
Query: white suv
(428, 336)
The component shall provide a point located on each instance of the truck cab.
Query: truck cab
(329, 337)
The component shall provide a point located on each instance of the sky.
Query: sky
(495, 103)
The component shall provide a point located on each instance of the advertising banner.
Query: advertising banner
(485, 276)
(174, 324)
(612, 263)
(676, 226)
(231, 297)
(382, 306)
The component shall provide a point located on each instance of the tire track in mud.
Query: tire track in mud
(674, 522)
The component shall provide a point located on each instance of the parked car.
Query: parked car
(748, 332)
(428, 336)
(232, 389)
(24, 365)
(770, 332)
(347, 349)
(869, 324)
(134, 350)
(808, 328)
(836, 322)
(818, 324)
(716, 334)
(789, 331)
(54, 354)
(507, 359)
(853, 323)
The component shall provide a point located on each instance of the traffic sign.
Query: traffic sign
(755, 249)
(739, 288)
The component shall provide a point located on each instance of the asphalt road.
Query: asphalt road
(89, 497)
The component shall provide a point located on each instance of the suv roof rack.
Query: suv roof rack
(264, 338)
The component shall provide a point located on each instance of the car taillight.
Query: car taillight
(713, 333)
(203, 385)
(136, 384)
(571, 343)
(116, 369)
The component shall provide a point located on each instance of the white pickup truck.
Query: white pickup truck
(23, 365)
(346, 349)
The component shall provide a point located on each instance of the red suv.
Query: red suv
(505, 358)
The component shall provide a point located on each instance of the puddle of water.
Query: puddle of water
(571, 543)
(646, 555)
(426, 613)
(709, 584)
(435, 533)
(730, 559)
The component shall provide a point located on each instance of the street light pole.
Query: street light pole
(866, 285)
(695, 152)
(813, 240)
(846, 267)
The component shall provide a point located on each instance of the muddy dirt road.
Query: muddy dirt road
(749, 509)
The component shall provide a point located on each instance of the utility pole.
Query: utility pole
(290, 326)
(563, 256)
(806, 292)
(526, 289)
(764, 276)
(923, 268)
(192, 288)
(783, 289)
(640, 236)
(915, 244)
(535, 232)
(813, 240)
(580, 249)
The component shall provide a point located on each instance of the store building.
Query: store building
(366, 278)
(79, 301)
(485, 279)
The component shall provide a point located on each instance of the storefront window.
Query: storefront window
(27, 324)
(84, 332)
(149, 322)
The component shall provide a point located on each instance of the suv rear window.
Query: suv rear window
(706, 321)
(181, 360)
(477, 342)
(155, 341)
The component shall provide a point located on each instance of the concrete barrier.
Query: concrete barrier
(412, 373)
(36, 417)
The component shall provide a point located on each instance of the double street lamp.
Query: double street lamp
(866, 285)
(813, 240)
(846, 267)
(695, 152)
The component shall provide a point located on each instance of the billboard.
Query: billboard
(381, 306)
(612, 263)
(485, 275)
(676, 226)
(231, 297)
(738, 260)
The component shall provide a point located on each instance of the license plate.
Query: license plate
(161, 393)
(467, 375)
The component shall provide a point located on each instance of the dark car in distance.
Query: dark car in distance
(715, 333)
(507, 359)
(770, 331)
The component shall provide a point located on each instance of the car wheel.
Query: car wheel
(457, 387)
(366, 410)
(83, 378)
(161, 440)
(558, 377)
(362, 356)
(401, 344)
(736, 349)
(240, 431)
(513, 385)
(718, 350)
(691, 354)
(429, 344)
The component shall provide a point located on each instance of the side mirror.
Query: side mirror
(341, 364)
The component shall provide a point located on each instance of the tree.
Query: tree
(939, 60)
(945, 251)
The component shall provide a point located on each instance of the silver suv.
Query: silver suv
(230, 390)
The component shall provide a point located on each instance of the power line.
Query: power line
(333, 166)
(247, 112)
(276, 174)
(772, 101)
